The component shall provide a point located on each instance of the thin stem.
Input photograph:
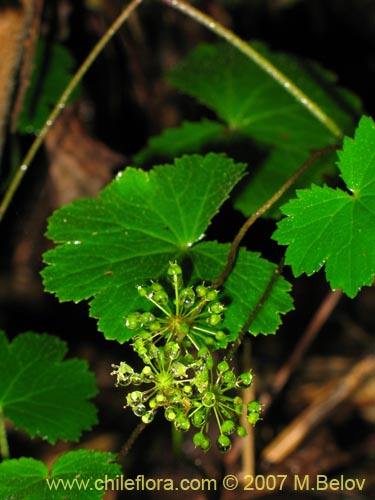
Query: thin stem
(255, 311)
(62, 102)
(130, 442)
(177, 441)
(320, 317)
(4, 447)
(261, 61)
(330, 396)
(255, 216)
(248, 445)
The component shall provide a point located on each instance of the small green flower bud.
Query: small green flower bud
(147, 317)
(137, 379)
(241, 431)
(184, 328)
(174, 269)
(209, 399)
(211, 295)
(229, 379)
(220, 336)
(188, 390)
(160, 399)
(152, 403)
(216, 308)
(253, 406)
(134, 398)
(201, 290)
(209, 341)
(178, 370)
(182, 423)
(224, 443)
(133, 321)
(199, 418)
(222, 367)
(142, 290)
(172, 350)
(253, 418)
(138, 343)
(148, 417)
(214, 319)
(201, 441)
(147, 374)
(124, 373)
(209, 362)
(170, 414)
(161, 298)
(186, 343)
(244, 380)
(228, 427)
(187, 297)
(156, 287)
(139, 410)
(153, 352)
(154, 326)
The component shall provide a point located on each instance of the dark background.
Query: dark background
(127, 100)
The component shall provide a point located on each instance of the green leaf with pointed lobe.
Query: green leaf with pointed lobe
(333, 227)
(250, 100)
(43, 393)
(76, 475)
(253, 105)
(139, 223)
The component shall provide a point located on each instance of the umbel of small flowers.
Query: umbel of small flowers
(191, 316)
(179, 375)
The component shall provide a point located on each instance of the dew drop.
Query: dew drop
(23, 167)
(77, 242)
(49, 123)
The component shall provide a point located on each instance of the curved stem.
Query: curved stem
(129, 443)
(236, 344)
(255, 216)
(248, 394)
(261, 61)
(62, 102)
(314, 327)
(4, 447)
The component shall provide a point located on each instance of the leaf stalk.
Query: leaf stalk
(255, 216)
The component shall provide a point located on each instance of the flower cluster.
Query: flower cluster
(192, 316)
(179, 375)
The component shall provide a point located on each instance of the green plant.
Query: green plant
(46, 396)
(180, 369)
(138, 251)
